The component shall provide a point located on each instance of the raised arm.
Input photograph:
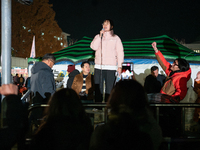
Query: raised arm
(154, 45)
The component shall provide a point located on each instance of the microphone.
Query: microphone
(102, 33)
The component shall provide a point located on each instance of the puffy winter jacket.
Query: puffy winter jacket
(112, 50)
(175, 85)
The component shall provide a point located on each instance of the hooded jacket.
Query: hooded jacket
(71, 78)
(42, 79)
(176, 84)
(112, 51)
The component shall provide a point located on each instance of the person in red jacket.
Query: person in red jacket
(177, 73)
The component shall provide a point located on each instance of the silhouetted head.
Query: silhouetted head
(65, 102)
(127, 95)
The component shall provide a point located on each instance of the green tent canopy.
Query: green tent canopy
(133, 48)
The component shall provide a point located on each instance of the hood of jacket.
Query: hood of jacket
(74, 73)
(40, 66)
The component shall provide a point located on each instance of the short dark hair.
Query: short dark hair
(120, 95)
(153, 68)
(65, 102)
(49, 56)
(183, 64)
(85, 62)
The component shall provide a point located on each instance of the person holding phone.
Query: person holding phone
(109, 56)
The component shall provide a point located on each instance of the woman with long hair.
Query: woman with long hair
(66, 125)
(131, 125)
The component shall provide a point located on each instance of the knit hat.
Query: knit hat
(71, 68)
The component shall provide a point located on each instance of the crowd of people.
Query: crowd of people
(65, 124)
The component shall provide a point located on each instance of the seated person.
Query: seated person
(154, 82)
(83, 83)
(131, 125)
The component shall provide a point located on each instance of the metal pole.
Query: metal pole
(5, 46)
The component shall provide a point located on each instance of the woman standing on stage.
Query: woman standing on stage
(109, 56)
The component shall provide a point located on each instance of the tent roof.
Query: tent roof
(133, 48)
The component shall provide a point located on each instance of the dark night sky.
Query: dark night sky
(132, 18)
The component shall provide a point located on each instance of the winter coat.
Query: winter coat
(63, 133)
(112, 51)
(152, 85)
(42, 79)
(78, 83)
(16, 80)
(175, 85)
(16, 122)
(136, 131)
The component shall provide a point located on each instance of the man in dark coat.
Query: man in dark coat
(42, 78)
(42, 85)
(154, 82)
(16, 79)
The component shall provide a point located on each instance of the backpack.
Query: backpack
(21, 80)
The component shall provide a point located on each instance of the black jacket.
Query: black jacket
(71, 78)
(63, 133)
(152, 85)
(16, 123)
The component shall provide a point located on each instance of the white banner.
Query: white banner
(33, 54)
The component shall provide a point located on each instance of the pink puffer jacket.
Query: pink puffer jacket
(112, 50)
